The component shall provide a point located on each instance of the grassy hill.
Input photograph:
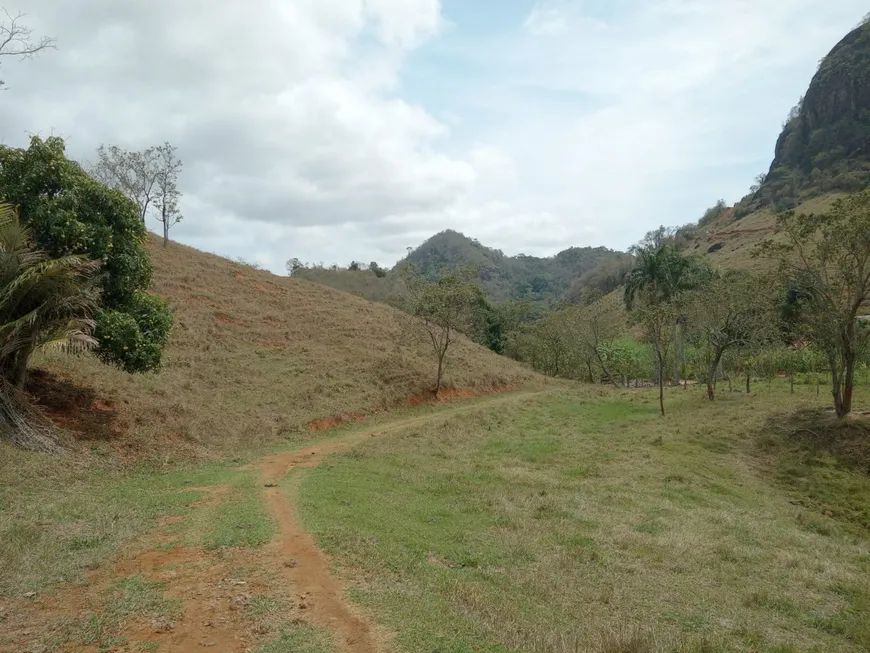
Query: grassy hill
(254, 358)
(539, 280)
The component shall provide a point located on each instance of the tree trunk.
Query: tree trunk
(165, 231)
(438, 379)
(845, 404)
(711, 376)
(748, 379)
(677, 345)
(19, 371)
(836, 386)
(661, 365)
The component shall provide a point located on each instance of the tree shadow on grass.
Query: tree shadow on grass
(820, 431)
(73, 408)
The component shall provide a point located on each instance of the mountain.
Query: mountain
(822, 153)
(254, 358)
(824, 146)
(539, 280)
(508, 277)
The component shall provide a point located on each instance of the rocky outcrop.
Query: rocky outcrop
(825, 145)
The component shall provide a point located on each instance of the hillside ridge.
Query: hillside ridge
(254, 357)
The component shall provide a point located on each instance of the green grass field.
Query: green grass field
(571, 520)
(582, 521)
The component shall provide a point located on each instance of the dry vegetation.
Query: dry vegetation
(253, 359)
(733, 240)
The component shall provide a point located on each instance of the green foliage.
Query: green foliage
(135, 339)
(734, 311)
(71, 214)
(539, 280)
(442, 310)
(825, 261)
(661, 273)
(43, 301)
(378, 271)
(714, 212)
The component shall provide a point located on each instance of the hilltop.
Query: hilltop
(537, 279)
(254, 358)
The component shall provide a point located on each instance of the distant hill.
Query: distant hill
(825, 144)
(254, 358)
(539, 280)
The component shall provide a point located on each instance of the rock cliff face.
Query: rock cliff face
(825, 145)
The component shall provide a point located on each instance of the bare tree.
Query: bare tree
(149, 178)
(735, 310)
(16, 39)
(598, 327)
(659, 324)
(133, 173)
(166, 201)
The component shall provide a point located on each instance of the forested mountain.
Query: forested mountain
(542, 281)
(508, 277)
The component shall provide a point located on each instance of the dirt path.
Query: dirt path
(305, 565)
(207, 584)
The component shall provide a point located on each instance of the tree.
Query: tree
(149, 178)
(715, 211)
(43, 301)
(294, 265)
(735, 310)
(378, 271)
(658, 321)
(442, 310)
(132, 173)
(71, 214)
(168, 167)
(826, 260)
(598, 326)
(16, 39)
(660, 274)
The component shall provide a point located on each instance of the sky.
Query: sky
(340, 130)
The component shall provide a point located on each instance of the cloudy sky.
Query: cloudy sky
(332, 130)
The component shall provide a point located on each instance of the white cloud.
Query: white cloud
(552, 17)
(305, 131)
(283, 113)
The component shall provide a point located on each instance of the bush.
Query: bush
(71, 213)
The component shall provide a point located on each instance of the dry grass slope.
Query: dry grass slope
(256, 358)
(729, 242)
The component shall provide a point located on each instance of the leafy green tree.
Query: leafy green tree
(72, 214)
(660, 274)
(441, 310)
(826, 259)
(43, 301)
